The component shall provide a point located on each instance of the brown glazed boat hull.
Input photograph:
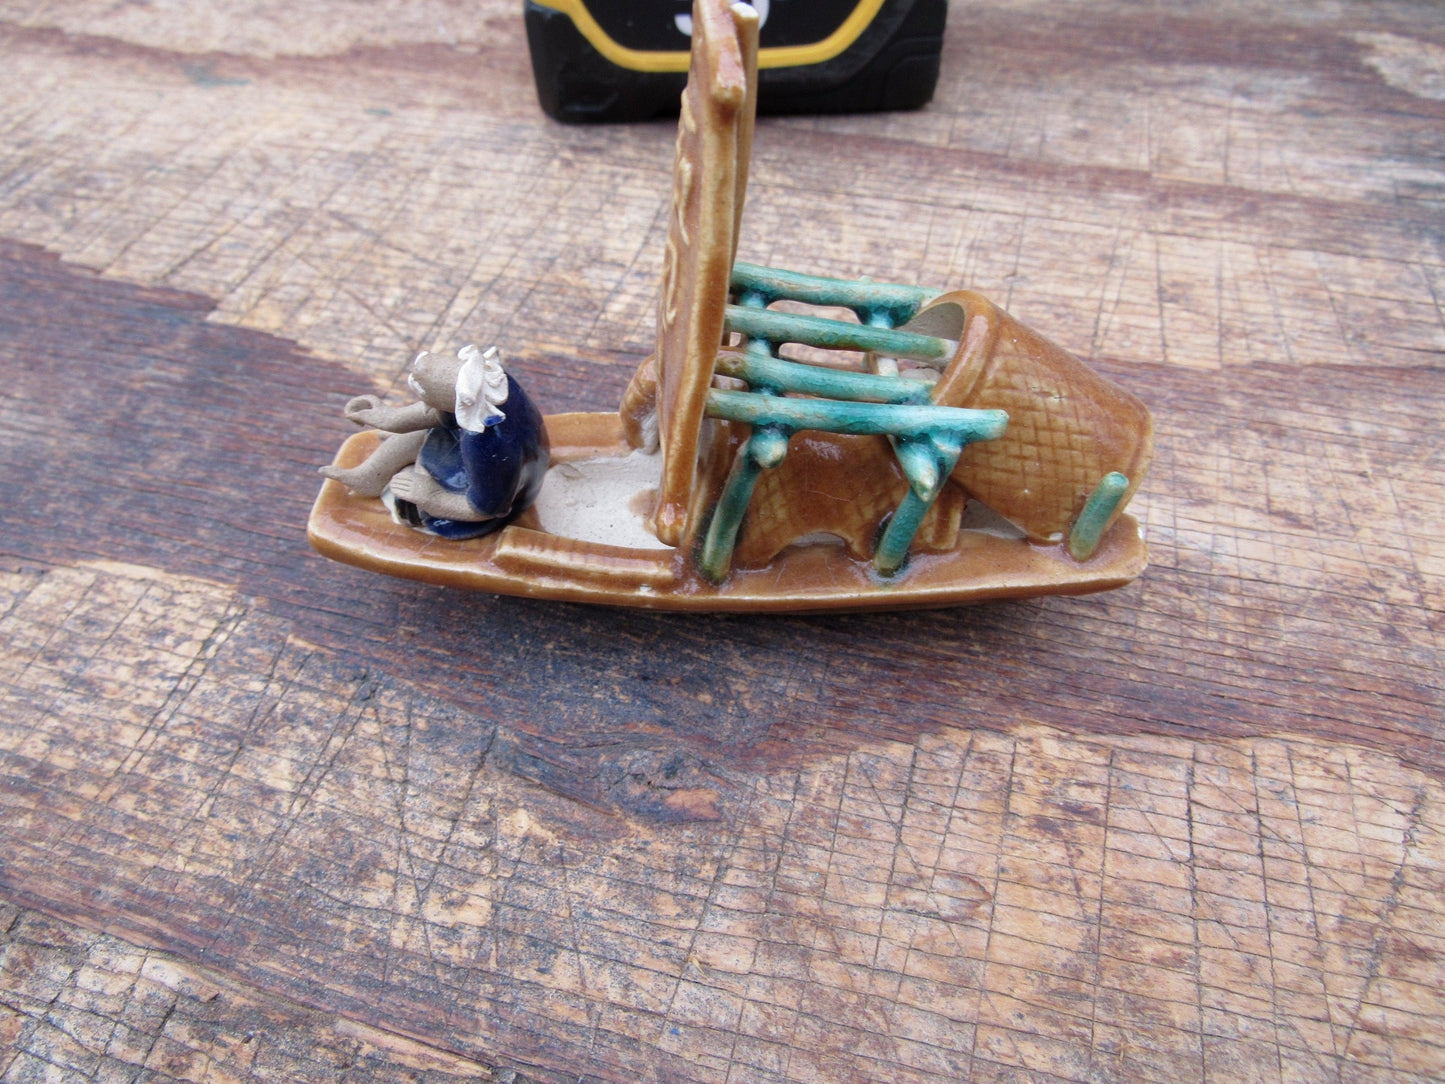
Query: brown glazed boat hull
(525, 561)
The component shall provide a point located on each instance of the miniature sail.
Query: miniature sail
(710, 175)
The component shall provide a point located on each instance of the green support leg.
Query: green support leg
(765, 449)
(898, 535)
(927, 464)
(1088, 529)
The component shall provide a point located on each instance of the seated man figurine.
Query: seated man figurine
(455, 464)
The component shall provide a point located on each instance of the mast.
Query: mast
(709, 177)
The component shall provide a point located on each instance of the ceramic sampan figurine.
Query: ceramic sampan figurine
(464, 460)
(940, 453)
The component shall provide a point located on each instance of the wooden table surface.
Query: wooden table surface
(267, 817)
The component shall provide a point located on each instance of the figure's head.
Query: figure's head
(481, 388)
(472, 385)
(434, 379)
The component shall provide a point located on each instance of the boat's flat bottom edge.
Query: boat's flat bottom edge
(522, 560)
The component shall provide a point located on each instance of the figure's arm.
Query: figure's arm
(369, 410)
(419, 487)
(370, 477)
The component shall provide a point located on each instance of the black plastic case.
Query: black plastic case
(891, 64)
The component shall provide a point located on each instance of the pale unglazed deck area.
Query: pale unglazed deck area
(602, 499)
(265, 817)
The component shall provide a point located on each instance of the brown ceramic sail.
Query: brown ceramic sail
(710, 175)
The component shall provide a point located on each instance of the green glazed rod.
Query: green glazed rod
(920, 466)
(899, 302)
(943, 449)
(722, 533)
(761, 370)
(902, 528)
(834, 417)
(1088, 529)
(781, 327)
(764, 450)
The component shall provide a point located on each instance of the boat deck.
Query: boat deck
(528, 559)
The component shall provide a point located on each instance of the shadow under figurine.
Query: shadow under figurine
(454, 464)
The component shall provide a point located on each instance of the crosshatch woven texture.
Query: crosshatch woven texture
(1068, 427)
(853, 484)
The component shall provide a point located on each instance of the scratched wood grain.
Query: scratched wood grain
(266, 817)
(79, 1005)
